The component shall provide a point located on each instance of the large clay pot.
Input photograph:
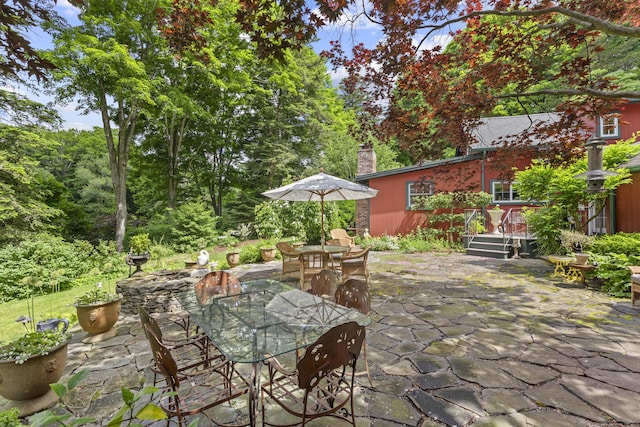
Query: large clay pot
(25, 385)
(233, 259)
(268, 254)
(98, 318)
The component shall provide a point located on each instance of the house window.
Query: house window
(609, 127)
(503, 191)
(417, 189)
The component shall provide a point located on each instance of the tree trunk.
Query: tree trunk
(175, 134)
(119, 159)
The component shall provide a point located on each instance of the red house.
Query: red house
(390, 212)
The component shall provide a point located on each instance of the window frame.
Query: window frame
(510, 192)
(615, 126)
(410, 195)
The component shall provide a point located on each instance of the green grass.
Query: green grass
(60, 304)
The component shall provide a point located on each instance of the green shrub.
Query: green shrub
(382, 243)
(277, 218)
(417, 243)
(613, 253)
(186, 228)
(546, 223)
(620, 243)
(48, 263)
(250, 254)
(268, 222)
(612, 270)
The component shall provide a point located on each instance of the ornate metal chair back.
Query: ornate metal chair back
(354, 294)
(338, 348)
(165, 362)
(324, 283)
(216, 283)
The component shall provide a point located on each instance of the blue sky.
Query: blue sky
(349, 30)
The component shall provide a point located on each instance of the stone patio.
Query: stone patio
(456, 341)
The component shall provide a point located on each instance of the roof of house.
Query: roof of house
(633, 164)
(489, 135)
(422, 166)
(493, 130)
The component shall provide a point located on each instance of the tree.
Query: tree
(102, 62)
(24, 188)
(18, 55)
(196, 95)
(496, 58)
(561, 194)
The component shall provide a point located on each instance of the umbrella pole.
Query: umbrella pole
(322, 222)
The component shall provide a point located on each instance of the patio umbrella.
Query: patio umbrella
(321, 187)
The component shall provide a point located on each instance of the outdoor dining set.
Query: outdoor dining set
(317, 326)
(339, 256)
(309, 338)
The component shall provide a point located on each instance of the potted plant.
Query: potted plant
(268, 253)
(574, 243)
(29, 364)
(98, 310)
(139, 247)
(233, 257)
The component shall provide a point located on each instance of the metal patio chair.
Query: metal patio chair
(322, 384)
(191, 352)
(194, 391)
(355, 294)
(324, 283)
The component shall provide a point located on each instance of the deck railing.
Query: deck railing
(513, 224)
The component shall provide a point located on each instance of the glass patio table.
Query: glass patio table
(268, 319)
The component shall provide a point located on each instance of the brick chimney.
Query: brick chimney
(366, 159)
(366, 165)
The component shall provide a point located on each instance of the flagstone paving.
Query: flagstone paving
(456, 340)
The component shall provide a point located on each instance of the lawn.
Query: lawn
(60, 304)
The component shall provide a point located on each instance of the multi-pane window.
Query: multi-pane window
(503, 191)
(416, 189)
(609, 126)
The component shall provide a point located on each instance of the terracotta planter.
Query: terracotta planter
(268, 254)
(26, 386)
(233, 259)
(98, 318)
(582, 259)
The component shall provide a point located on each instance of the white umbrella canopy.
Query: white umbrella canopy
(321, 187)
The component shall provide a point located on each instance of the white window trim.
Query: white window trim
(616, 125)
(511, 199)
(410, 184)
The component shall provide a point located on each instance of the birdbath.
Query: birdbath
(495, 215)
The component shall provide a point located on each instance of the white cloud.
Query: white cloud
(66, 9)
(78, 125)
(67, 108)
(337, 76)
(441, 40)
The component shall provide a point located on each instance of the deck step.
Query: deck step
(489, 253)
